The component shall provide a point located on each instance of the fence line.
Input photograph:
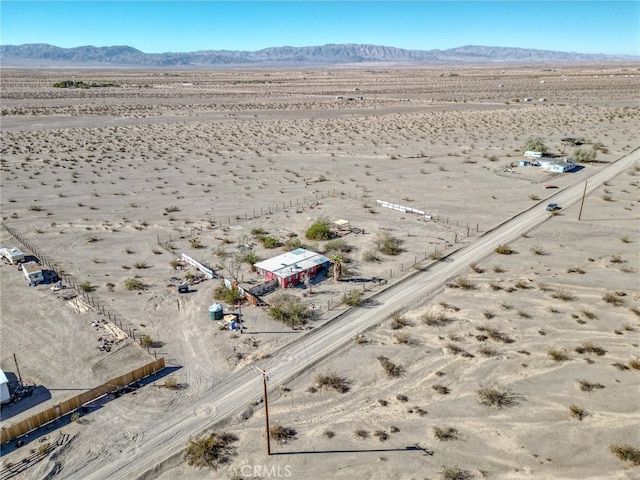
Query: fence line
(116, 320)
(35, 421)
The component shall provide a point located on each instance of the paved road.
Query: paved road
(169, 436)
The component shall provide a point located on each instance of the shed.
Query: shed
(13, 255)
(292, 267)
(33, 272)
(5, 396)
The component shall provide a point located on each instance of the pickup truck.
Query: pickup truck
(552, 207)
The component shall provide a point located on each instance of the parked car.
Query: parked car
(552, 207)
(550, 186)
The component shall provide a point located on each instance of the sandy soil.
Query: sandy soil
(96, 178)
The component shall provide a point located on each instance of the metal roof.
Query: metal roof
(290, 263)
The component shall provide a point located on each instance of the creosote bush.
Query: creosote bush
(626, 453)
(289, 309)
(455, 473)
(211, 450)
(282, 434)
(320, 230)
(577, 412)
(353, 298)
(332, 381)
(133, 283)
(503, 249)
(446, 434)
(497, 396)
(557, 355)
(391, 369)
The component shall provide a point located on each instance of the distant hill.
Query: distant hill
(333, 54)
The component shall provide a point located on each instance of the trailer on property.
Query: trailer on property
(12, 255)
(33, 273)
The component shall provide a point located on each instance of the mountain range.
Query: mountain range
(41, 54)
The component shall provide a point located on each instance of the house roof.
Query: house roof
(296, 261)
(13, 252)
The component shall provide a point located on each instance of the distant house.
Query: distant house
(33, 273)
(532, 154)
(292, 267)
(524, 163)
(557, 166)
(13, 255)
(5, 396)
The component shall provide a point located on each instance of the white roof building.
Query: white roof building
(291, 267)
(5, 396)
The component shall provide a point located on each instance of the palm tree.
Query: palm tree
(337, 267)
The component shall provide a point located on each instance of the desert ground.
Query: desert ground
(115, 182)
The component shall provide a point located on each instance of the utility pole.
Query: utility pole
(582, 203)
(265, 379)
(15, 359)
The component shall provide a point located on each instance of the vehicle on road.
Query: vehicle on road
(550, 186)
(552, 207)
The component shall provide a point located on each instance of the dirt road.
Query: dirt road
(169, 437)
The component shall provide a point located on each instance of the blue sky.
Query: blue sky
(611, 27)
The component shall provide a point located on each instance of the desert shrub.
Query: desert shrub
(171, 383)
(399, 321)
(195, 244)
(536, 250)
(223, 294)
(86, 286)
(282, 434)
(391, 369)
(454, 348)
(576, 269)
(212, 450)
(370, 256)
(495, 286)
(577, 412)
(584, 156)
(625, 239)
(44, 448)
(463, 283)
(495, 334)
(269, 241)
(589, 347)
(133, 283)
(320, 230)
(332, 381)
(361, 434)
(338, 246)
(588, 314)
(445, 434)
(381, 435)
(586, 386)
(292, 244)
(75, 416)
(328, 434)
(634, 363)
(503, 249)
(534, 144)
(386, 243)
(436, 319)
(250, 258)
(563, 295)
(353, 298)
(455, 473)
(402, 338)
(626, 453)
(620, 366)
(289, 309)
(487, 351)
(258, 231)
(498, 269)
(475, 268)
(521, 284)
(557, 354)
(140, 265)
(441, 389)
(146, 341)
(402, 398)
(174, 263)
(612, 298)
(495, 395)
(360, 339)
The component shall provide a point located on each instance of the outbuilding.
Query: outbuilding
(5, 396)
(33, 273)
(292, 267)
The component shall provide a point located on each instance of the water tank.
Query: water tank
(215, 311)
